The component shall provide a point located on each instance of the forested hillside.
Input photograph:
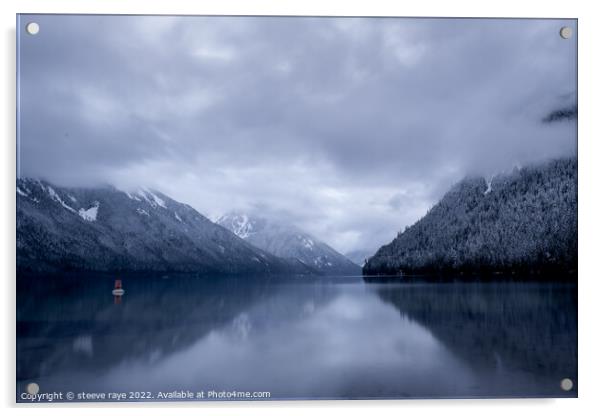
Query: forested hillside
(522, 222)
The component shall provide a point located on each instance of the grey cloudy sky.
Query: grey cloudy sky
(350, 128)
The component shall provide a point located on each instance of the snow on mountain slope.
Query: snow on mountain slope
(105, 229)
(90, 213)
(523, 222)
(288, 241)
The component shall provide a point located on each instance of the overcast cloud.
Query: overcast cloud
(349, 128)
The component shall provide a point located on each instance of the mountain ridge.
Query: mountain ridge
(106, 229)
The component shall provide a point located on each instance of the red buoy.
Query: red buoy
(118, 290)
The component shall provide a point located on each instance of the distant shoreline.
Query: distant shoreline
(484, 276)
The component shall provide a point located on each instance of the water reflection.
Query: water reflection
(156, 315)
(327, 338)
(521, 338)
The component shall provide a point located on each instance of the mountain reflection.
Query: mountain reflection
(74, 322)
(527, 330)
(296, 338)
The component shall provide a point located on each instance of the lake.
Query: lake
(294, 338)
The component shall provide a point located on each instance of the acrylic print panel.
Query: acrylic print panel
(266, 208)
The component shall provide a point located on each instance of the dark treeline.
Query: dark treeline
(522, 223)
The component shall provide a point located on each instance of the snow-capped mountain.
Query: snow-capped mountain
(105, 229)
(287, 241)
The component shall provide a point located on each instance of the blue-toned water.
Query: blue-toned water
(295, 338)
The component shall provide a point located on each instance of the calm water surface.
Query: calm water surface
(297, 338)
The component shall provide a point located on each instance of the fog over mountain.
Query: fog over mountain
(349, 128)
(289, 242)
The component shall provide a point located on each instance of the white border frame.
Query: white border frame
(590, 201)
